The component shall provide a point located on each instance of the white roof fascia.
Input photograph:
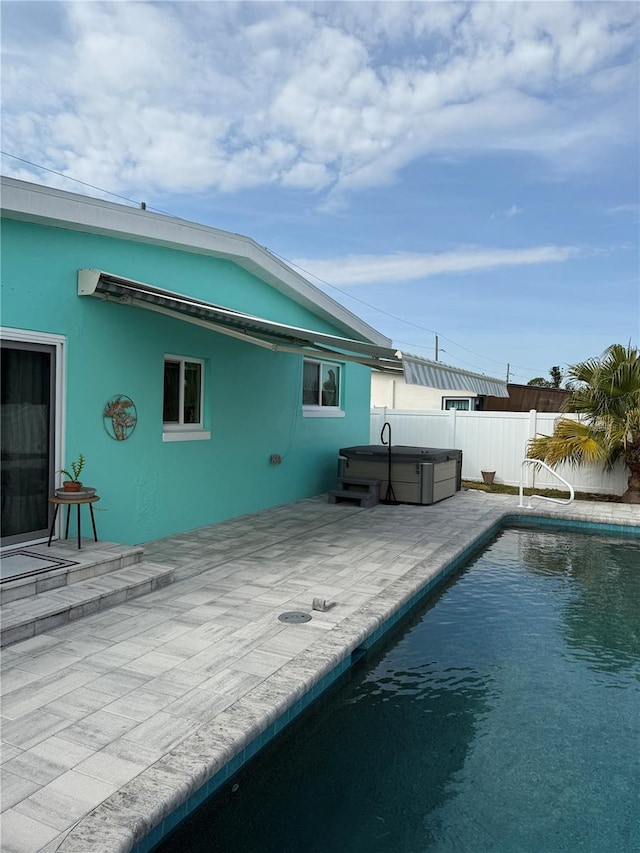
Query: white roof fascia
(30, 202)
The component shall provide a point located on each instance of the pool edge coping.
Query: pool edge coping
(149, 807)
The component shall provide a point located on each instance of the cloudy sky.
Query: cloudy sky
(470, 170)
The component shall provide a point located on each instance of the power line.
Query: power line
(426, 346)
(84, 183)
(393, 316)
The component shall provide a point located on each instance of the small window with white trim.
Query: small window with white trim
(182, 400)
(460, 404)
(321, 387)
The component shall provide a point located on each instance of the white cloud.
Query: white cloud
(405, 266)
(509, 213)
(624, 208)
(155, 97)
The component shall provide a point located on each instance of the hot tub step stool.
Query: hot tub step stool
(360, 490)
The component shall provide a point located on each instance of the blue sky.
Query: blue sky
(466, 170)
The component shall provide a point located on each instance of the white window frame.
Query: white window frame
(470, 400)
(181, 431)
(318, 410)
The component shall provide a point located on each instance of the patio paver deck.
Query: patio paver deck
(110, 722)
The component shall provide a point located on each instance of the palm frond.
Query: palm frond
(609, 388)
(573, 443)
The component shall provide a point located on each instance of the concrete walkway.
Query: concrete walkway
(111, 722)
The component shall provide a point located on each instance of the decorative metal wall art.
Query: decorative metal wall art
(120, 417)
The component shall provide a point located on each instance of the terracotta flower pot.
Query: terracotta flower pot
(488, 477)
(72, 486)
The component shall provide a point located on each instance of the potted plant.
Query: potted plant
(72, 483)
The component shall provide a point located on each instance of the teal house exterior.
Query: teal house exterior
(200, 376)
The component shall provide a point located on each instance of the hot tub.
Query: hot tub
(419, 475)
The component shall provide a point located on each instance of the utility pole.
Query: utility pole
(436, 347)
(508, 371)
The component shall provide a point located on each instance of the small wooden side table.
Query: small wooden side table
(78, 500)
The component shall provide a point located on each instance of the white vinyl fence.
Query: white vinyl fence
(493, 441)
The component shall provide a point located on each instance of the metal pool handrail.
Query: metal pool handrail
(537, 462)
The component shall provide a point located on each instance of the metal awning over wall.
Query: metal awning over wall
(280, 336)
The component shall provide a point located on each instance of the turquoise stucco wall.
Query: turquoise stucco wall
(150, 488)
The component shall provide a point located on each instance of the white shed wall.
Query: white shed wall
(394, 393)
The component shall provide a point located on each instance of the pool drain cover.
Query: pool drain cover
(294, 616)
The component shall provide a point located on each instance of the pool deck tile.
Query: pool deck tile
(112, 724)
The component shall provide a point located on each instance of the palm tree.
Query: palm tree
(607, 395)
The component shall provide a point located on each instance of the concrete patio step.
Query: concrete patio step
(35, 614)
(42, 569)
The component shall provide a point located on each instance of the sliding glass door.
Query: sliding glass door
(27, 420)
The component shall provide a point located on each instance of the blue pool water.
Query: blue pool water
(503, 717)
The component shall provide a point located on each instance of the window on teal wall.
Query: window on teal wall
(321, 381)
(183, 399)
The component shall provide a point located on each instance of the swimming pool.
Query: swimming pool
(503, 716)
